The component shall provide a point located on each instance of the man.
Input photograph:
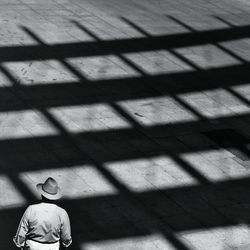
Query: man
(44, 225)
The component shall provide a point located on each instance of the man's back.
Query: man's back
(45, 223)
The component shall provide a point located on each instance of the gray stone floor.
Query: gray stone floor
(114, 99)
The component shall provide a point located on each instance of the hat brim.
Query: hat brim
(56, 196)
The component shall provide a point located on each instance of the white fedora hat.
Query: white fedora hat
(49, 189)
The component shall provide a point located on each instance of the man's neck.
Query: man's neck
(45, 200)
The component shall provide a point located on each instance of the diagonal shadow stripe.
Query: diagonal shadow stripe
(66, 94)
(81, 49)
(106, 146)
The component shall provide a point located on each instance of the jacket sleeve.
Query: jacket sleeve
(66, 238)
(23, 228)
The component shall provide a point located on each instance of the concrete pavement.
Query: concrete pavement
(139, 109)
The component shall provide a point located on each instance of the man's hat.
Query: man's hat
(49, 189)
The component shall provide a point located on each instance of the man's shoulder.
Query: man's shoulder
(31, 207)
(62, 210)
(34, 206)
